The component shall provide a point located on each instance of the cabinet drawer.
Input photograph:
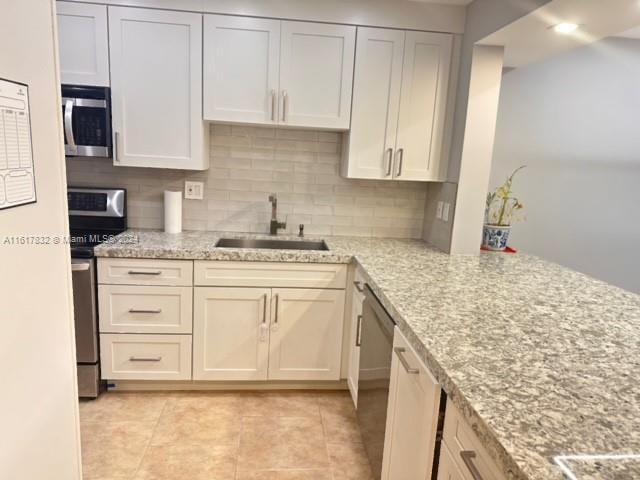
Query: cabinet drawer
(144, 309)
(264, 274)
(459, 438)
(135, 271)
(145, 357)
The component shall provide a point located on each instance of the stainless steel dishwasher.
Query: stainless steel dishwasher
(376, 346)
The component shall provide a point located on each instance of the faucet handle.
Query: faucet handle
(273, 197)
(301, 232)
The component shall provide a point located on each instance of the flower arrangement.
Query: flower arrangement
(501, 210)
(502, 207)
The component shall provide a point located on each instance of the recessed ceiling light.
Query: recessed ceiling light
(565, 28)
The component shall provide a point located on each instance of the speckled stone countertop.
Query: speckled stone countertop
(541, 360)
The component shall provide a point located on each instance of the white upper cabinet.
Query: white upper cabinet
(316, 73)
(399, 106)
(376, 101)
(241, 58)
(278, 72)
(83, 44)
(425, 78)
(156, 79)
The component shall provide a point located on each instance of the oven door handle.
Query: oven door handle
(80, 267)
(68, 123)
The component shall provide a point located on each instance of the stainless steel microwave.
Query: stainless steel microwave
(86, 114)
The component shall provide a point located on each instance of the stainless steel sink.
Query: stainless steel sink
(272, 244)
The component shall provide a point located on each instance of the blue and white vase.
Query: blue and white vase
(495, 237)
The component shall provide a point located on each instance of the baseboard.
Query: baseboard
(154, 385)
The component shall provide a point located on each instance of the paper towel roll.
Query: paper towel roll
(172, 211)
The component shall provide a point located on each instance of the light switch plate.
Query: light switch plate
(439, 209)
(193, 190)
(445, 212)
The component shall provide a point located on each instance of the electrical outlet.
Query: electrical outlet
(439, 209)
(193, 190)
(445, 212)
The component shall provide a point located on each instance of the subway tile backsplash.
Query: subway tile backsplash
(247, 164)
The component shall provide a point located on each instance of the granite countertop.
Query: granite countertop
(541, 360)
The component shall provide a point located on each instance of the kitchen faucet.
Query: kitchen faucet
(275, 225)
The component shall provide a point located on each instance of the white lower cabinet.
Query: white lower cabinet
(447, 468)
(231, 333)
(412, 416)
(466, 449)
(355, 324)
(145, 357)
(306, 334)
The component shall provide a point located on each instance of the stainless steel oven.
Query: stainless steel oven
(95, 215)
(376, 346)
(86, 114)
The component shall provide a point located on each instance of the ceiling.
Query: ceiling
(531, 39)
(633, 33)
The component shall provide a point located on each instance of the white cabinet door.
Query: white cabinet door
(241, 57)
(156, 80)
(316, 73)
(412, 416)
(447, 468)
(376, 101)
(357, 297)
(231, 333)
(306, 334)
(83, 44)
(425, 79)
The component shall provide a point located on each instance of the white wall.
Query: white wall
(39, 433)
(472, 137)
(574, 121)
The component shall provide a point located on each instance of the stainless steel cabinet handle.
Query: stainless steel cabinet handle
(359, 331)
(145, 359)
(273, 105)
(467, 457)
(359, 286)
(68, 123)
(116, 147)
(275, 320)
(401, 154)
(264, 308)
(284, 105)
(136, 272)
(389, 161)
(139, 310)
(400, 352)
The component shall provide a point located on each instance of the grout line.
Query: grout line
(146, 448)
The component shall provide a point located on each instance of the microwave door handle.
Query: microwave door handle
(68, 123)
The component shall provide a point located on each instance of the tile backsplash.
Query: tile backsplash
(247, 164)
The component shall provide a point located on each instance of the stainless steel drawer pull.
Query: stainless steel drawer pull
(145, 359)
(136, 272)
(359, 331)
(467, 457)
(409, 369)
(401, 154)
(273, 105)
(275, 320)
(138, 310)
(264, 308)
(359, 286)
(285, 101)
(389, 161)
